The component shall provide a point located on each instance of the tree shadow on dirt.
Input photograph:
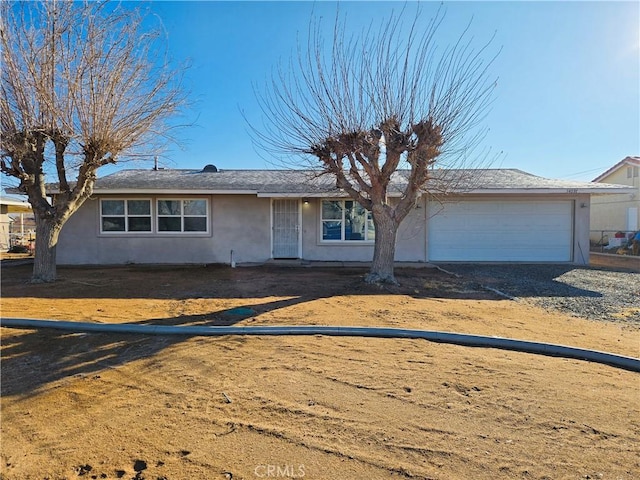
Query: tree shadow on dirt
(224, 282)
(31, 360)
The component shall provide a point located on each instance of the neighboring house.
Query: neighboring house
(621, 212)
(14, 226)
(245, 216)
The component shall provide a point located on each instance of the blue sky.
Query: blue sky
(567, 103)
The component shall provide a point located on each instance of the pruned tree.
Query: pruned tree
(376, 104)
(83, 85)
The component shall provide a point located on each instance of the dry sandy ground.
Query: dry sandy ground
(141, 407)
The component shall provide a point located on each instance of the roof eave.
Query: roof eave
(336, 193)
(164, 191)
(547, 191)
(302, 194)
(634, 161)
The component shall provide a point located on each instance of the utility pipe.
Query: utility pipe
(553, 350)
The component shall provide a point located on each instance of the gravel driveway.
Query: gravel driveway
(586, 292)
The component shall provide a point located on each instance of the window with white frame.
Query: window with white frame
(346, 220)
(182, 215)
(125, 215)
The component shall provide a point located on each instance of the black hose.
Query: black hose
(549, 349)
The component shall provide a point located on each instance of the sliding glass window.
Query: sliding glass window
(123, 215)
(182, 215)
(346, 221)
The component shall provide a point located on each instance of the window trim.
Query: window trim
(182, 216)
(126, 216)
(343, 240)
(155, 232)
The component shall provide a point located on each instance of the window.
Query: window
(346, 220)
(172, 216)
(125, 216)
(635, 172)
(629, 172)
(182, 215)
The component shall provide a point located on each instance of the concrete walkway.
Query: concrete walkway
(334, 264)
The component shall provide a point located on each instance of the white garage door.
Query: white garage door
(513, 231)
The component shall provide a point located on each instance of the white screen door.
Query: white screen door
(286, 228)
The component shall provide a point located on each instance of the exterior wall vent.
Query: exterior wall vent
(210, 169)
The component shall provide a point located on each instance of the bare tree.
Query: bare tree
(382, 103)
(83, 84)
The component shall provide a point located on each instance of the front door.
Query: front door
(286, 228)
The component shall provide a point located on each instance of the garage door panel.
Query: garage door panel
(527, 222)
(499, 231)
(507, 254)
(488, 241)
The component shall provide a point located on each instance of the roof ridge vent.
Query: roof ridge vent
(210, 168)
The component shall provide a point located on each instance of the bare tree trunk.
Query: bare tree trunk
(44, 264)
(384, 250)
(378, 111)
(78, 77)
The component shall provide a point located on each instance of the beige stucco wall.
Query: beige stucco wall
(410, 246)
(242, 223)
(581, 225)
(609, 212)
(412, 241)
(238, 222)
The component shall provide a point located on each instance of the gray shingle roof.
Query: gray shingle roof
(250, 181)
(513, 179)
(265, 182)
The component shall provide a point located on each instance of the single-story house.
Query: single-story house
(621, 212)
(245, 216)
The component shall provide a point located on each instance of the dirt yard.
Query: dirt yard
(142, 407)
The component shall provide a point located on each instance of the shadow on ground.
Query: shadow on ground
(517, 280)
(33, 359)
